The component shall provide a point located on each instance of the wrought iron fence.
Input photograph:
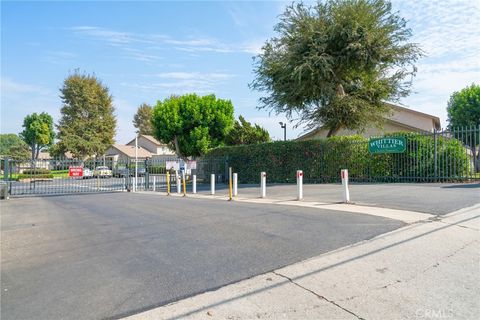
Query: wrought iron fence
(442, 156)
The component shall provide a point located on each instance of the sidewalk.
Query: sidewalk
(426, 270)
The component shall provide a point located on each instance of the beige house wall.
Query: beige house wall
(144, 143)
(388, 127)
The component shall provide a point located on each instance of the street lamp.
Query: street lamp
(284, 126)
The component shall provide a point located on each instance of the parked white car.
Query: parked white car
(102, 172)
(87, 173)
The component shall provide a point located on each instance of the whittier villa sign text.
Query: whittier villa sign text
(387, 145)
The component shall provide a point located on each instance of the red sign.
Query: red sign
(75, 171)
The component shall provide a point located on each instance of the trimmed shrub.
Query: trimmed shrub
(36, 171)
(36, 176)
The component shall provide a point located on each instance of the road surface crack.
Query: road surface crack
(318, 295)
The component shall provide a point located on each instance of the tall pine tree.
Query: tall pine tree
(87, 125)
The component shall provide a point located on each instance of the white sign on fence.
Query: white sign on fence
(175, 165)
(191, 164)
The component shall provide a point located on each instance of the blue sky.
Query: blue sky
(146, 51)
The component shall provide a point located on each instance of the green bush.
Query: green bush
(36, 171)
(321, 160)
(36, 176)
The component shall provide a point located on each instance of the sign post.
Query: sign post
(299, 184)
(346, 193)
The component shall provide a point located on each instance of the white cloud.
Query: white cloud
(10, 87)
(182, 82)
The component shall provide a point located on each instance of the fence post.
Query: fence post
(263, 184)
(6, 169)
(235, 184)
(346, 193)
(154, 183)
(435, 154)
(124, 181)
(212, 184)
(299, 184)
(194, 184)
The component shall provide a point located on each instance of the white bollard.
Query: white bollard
(154, 183)
(235, 184)
(134, 185)
(179, 182)
(212, 184)
(124, 181)
(346, 193)
(263, 184)
(194, 184)
(299, 184)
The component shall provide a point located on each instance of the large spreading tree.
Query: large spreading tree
(142, 120)
(244, 132)
(87, 124)
(334, 63)
(13, 147)
(38, 132)
(192, 124)
(464, 118)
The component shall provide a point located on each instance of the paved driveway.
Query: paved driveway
(106, 255)
(435, 198)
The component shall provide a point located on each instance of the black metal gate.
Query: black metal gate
(65, 176)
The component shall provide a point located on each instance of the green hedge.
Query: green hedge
(35, 176)
(36, 171)
(321, 160)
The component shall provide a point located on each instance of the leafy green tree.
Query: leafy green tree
(87, 124)
(191, 124)
(142, 120)
(13, 147)
(334, 63)
(38, 132)
(244, 133)
(464, 112)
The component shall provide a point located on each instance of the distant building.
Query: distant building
(148, 147)
(402, 119)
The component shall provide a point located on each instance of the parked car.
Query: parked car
(87, 173)
(102, 172)
(121, 172)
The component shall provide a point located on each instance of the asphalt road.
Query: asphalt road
(434, 198)
(107, 255)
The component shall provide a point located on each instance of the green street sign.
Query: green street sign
(387, 145)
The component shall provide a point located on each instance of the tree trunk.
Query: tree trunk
(32, 147)
(38, 152)
(340, 93)
(177, 148)
(333, 131)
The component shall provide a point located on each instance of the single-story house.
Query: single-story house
(153, 145)
(124, 153)
(401, 119)
(148, 147)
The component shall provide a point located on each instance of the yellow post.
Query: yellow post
(168, 183)
(230, 184)
(184, 185)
